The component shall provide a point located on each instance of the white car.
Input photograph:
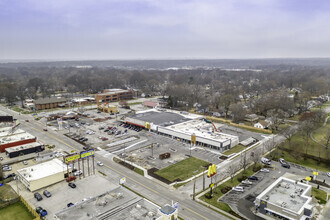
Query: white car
(238, 189)
(264, 170)
(328, 174)
(247, 182)
(78, 173)
(25, 162)
(99, 163)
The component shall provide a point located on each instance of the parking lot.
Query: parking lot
(146, 154)
(62, 194)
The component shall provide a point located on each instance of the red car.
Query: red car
(70, 178)
(27, 120)
(105, 139)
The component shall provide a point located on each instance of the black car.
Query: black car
(286, 165)
(253, 178)
(106, 130)
(72, 185)
(10, 175)
(85, 139)
(85, 147)
(38, 196)
(70, 204)
(47, 194)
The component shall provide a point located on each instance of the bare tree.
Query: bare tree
(288, 133)
(231, 170)
(244, 161)
(256, 156)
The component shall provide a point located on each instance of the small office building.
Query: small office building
(42, 175)
(113, 95)
(286, 199)
(24, 149)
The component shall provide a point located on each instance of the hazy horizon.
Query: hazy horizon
(59, 30)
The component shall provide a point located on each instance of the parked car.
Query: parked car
(38, 196)
(27, 120)
(42, 212)
(253, 178)
(328, 174)
(104, 139)
(25, 162)
(99, 163)
(264, 170)
(85, 147)
(1, 158)
(10, 175)
(6, 168)
(70, 178)
(45, 129)
(72, 185)
(70, 204)
(238, 189)
(78, 173)
(282, 161)
(84, 139)
(247, 182)
(286, 165)
(101, 128)
(266, 161)
(47, 194)
(106, 130)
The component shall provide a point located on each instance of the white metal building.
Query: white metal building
(42, 175)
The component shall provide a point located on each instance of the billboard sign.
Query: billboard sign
(85, 154)
(71, 158)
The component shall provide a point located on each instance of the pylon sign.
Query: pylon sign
(212, 170)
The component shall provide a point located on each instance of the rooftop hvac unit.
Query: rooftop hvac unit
(267, 197)
(150, 214)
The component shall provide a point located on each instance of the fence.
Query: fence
(32, 210)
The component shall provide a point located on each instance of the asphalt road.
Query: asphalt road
(158, 193)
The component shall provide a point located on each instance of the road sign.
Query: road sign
(212, 170)
(85, 154)
(122, 181)
(315, 173)
(308, 178)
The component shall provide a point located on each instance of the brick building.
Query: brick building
(113, 95)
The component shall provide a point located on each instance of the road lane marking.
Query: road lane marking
(131, 179)
(196, 213)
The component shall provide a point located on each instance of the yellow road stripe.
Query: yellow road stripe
(196, 213)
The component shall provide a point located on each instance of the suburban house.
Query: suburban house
(251, 117)
(262, 124)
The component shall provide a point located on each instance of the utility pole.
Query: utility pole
(203, 180)
(194, 189)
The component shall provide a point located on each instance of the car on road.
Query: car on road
(70, 204)
(47, 193)
(264, 170)
(253, 178)
(238, 189)
(72, 185)
(38, 196)
(25, 162)
(99, 163)
(328, 174)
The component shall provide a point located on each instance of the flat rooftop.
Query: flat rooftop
(160, 118)
(16, 137)
(4, 132)
(201, 129)
(42, 170)
(287, 194)
(21, 147)
(113, 91)
(118, 203)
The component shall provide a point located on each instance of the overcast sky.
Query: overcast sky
(163, 29)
